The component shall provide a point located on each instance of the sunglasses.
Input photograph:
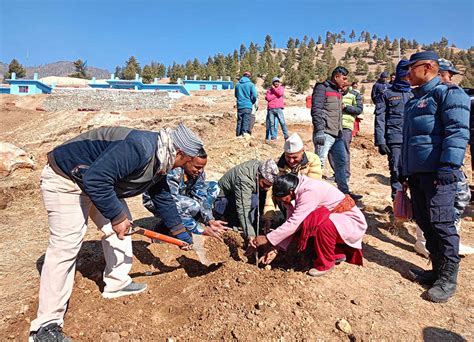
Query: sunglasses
(411, 67)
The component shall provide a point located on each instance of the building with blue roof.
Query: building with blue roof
(137, 84)
(210, 84)
(27, 87)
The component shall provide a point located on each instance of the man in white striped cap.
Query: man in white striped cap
(91, 175)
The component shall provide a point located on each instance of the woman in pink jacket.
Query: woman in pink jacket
(316, 209)
(274, 97)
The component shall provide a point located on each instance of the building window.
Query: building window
(202, 87)
(214, 87)
(23, 89)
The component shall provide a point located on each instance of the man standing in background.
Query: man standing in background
(246, 95)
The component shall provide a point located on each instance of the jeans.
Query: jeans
(323, 150)
(435, 214)
(338, 152)
(243, 121)
(347, 139)
(275, 115)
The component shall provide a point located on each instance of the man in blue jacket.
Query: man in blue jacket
(379, 88)
(246, 95)
(91, 175)
(389, 122)
(435, 132)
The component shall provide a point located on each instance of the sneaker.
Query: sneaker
(355, 197)
(465, 250)
(49, 333)
(130, 289)
(315, 273)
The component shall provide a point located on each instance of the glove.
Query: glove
(383, 149)
(185, 236)
(446, 175)
(319, 138)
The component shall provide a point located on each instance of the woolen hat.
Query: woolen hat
(445, 65)
(402, 70)
(186, 140)
(384, 74)
(275, 79)
(422, 56)
(269, 170)
(293, 144)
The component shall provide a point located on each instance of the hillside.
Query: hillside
(61, 68)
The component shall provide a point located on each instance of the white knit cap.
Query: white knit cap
(293, 144)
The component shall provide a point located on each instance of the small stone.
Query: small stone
(170, 339)
(148, 273)
(260, 324)
(124, 333)
(87, 291)
(268, 267)
(11, 337)
(272, 304)
(344, 326)
(259, 305)
(355, 301)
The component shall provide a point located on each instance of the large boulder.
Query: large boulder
(12, 158)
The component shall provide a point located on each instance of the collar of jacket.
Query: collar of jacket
(282, 162)
(332, 84)
(425, 88)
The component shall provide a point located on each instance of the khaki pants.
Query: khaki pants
(68, 211)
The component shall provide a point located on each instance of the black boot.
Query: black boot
(445, 287)
(427, 277)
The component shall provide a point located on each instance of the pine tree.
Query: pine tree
(468, 79)
(352, 35)
(378, 71)
(370, 77)
(320, 40)
(15, 67)
(312, 44)
(290, 44)
(81, 70)
(157, 70)
(132, 67)
(243, 51)
(403, 45)
(387, 43)
(348, 54)
(361, 67)
(118, 72)
(357, 53)
(367, 37)
(395, 46)
(297, 43)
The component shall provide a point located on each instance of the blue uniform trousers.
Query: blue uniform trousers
(434, 212)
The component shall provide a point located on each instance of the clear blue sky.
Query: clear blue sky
(107, 32)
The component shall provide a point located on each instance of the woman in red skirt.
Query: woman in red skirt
(319, 210)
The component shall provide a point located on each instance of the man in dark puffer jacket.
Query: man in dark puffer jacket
(436, 133)
(389, 122)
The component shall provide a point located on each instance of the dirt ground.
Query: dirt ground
(231, 299)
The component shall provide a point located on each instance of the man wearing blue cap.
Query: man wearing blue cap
(446, 70)
(435, 132)
(389, 122)
(379, 88)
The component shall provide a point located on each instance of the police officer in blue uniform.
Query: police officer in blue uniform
(389, 122)
(435, 132)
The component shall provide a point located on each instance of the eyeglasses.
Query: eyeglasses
(411, 67)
